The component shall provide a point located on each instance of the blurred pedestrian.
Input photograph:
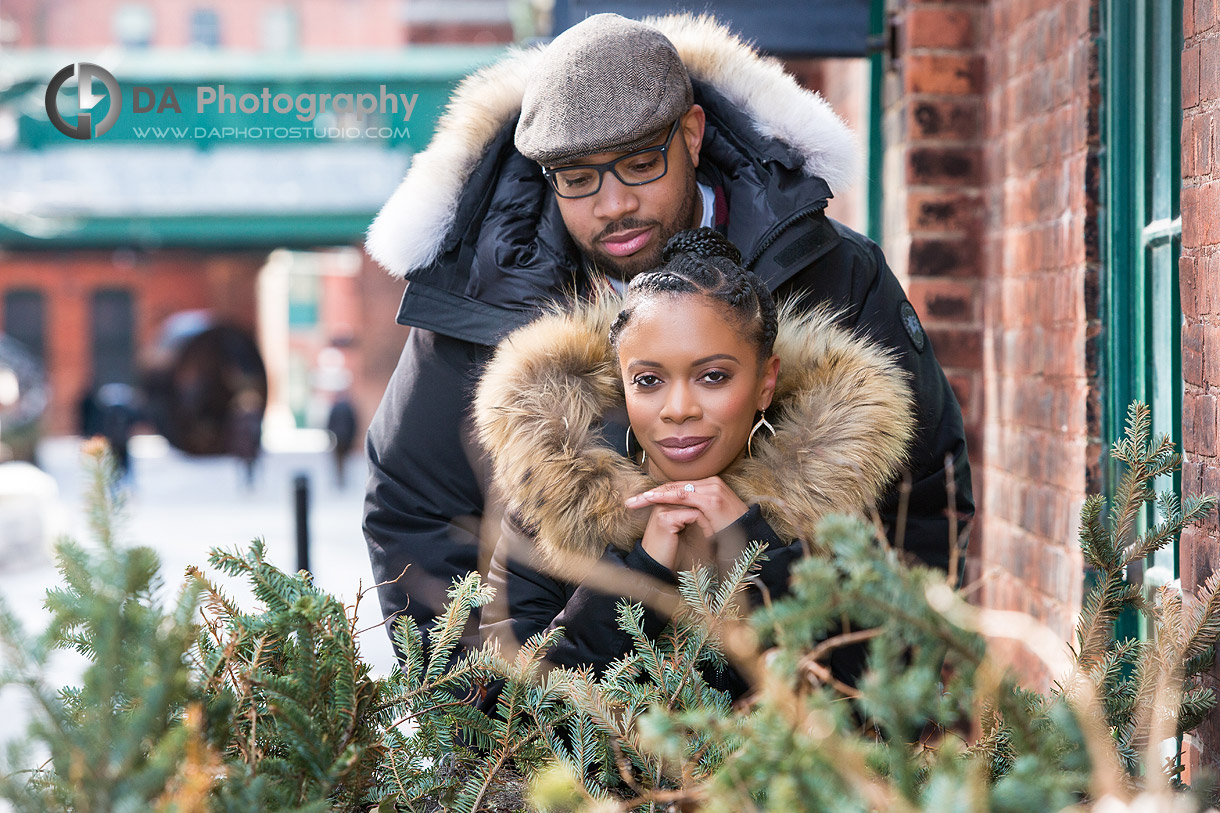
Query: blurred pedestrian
(90, 413)
(245, 430)
(341, 423)
(119, 413)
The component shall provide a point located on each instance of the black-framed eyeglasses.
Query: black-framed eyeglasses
(633, 169)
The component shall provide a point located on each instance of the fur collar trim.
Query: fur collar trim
(842, 412)
(409, 232)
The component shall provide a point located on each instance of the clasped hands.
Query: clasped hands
(684, 521)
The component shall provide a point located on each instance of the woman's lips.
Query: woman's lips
(683, 450)
(620, 245)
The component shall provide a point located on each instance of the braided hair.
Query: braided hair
(703, 262)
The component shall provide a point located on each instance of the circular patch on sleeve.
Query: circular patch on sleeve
(910, 321)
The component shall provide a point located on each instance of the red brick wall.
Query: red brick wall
(1200, 293)
(161, 284)
(1039, 304)
(358, 24)
(934, 212)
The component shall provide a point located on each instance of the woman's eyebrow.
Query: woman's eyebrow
(714, 357)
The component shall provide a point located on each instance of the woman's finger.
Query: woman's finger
(674, 493)
(677, 517)
(707, 499)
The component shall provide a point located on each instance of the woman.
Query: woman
(744, 425)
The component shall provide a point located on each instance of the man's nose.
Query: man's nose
(680, 403)
(614, 200)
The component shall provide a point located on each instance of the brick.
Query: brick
(949, 166)
(1209, 68)
(938, 27)
(1186, 560)
(941, 300)
(1199, 425)
(1211, 523)
(1201, 145)
(1209, 200)
(1189, 147)
(1211, 355)
(943, 74)
(1205, 14)
(1200, 226)
(1190, 77)
(944, 210)
(1192, 354)
(955, 120)
(945, 257)
(1214, 157)
(1189, 203)
(957, 347)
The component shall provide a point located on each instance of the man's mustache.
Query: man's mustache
(624, 225)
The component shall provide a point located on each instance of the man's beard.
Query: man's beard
(625, 268)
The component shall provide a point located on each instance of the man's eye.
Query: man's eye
(574, 182)
(645, 164)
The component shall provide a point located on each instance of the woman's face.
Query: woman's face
(693, 385)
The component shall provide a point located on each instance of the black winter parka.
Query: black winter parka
(478, 236)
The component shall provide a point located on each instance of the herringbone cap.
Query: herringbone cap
(607, 84)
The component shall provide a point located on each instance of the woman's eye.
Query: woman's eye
(715, 376)
(646, 380)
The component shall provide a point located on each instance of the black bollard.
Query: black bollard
(300, 490)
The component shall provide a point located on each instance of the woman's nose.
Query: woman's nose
(680, 404)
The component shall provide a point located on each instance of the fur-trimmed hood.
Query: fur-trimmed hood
(842, 411)
(416, 224)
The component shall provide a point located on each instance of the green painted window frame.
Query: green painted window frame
(1142, 226)
(876, 113)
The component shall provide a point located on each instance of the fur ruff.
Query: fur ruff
(409, 232)
(842, 412)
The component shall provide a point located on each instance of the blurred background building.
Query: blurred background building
(1041, 173)
(105, 240)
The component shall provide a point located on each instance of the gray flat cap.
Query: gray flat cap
(608, 84)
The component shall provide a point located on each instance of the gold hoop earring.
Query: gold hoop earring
(643, 451)
(762, 422)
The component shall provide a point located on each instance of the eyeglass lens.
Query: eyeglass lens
(638, 168)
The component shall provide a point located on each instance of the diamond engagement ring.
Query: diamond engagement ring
(689, 488)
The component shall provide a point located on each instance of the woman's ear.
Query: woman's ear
(770, 375)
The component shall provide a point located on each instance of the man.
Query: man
(559, 165)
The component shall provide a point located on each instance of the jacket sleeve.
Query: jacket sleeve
(854, 278)
(424, 501)
(772, 576)
(529, 602)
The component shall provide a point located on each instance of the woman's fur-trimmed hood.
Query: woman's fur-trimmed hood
(842, 412)
(410, 231)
